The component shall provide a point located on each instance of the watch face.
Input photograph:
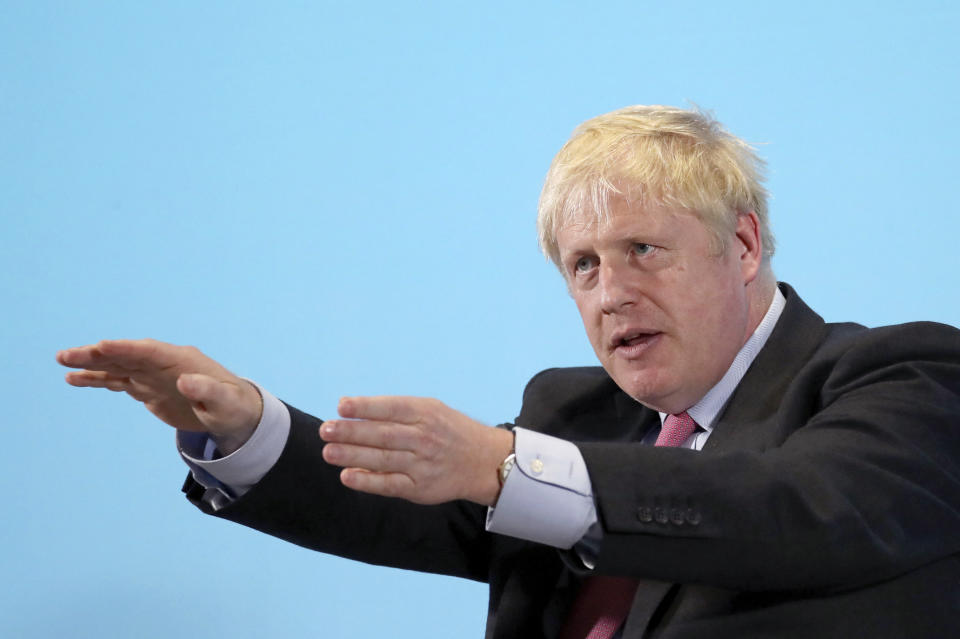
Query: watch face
(506, 466)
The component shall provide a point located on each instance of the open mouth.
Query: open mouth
(634, 343)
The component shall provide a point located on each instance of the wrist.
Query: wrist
(230, 440)
(494, 472)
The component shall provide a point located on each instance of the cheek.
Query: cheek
(721, 332)
(591, 318)
(713, 291)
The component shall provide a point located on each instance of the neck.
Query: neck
(759, 296)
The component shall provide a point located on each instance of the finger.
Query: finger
(385, 435)
(207, 396)
(120, 354)
(79, 356)
(404, 410)
(386, 484)
(65, 357)
(367, 458)
(221, 403)
(98, 379)
(110, 368)
(200, 388)
(137, 354)
(93, 358)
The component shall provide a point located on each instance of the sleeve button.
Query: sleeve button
(660, 514)
(644, 514)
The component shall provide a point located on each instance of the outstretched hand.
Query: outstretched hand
(415, 448)
(179, 384)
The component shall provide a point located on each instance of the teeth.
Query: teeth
(634, 338)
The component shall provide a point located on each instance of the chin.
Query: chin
(645, 391)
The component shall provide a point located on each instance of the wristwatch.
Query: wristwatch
(503, 470)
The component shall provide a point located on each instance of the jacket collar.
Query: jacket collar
(795, 338)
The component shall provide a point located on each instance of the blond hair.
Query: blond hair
(659, 156)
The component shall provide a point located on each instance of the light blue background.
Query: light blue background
(339, 199)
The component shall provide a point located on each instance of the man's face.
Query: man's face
(664, 313)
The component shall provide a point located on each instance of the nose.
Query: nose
(615, 290)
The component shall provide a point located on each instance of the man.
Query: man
(737, 467)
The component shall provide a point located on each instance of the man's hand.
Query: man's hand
(179, 384)
(415, 448)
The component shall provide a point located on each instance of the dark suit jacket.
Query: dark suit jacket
(826, 502)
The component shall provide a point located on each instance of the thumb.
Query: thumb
(225, 407)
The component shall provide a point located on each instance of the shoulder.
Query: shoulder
(803, 343)
(852, 344)
(920, 360)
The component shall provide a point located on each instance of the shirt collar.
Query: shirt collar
(705, 411)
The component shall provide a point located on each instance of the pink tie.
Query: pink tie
(676, 430)
(603, 602)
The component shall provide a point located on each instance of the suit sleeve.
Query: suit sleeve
(853, 478)
(301, 500)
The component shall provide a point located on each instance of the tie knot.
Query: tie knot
(676, 429)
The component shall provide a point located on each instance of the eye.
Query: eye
(639, 248)
(584, 264)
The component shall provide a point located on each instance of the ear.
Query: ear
(748, 245)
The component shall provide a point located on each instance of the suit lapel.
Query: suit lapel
(745, 422)
(742, 426)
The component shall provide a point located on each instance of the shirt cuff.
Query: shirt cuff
(236, 473)
(547, 497)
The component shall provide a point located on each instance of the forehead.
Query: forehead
(624, 222)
